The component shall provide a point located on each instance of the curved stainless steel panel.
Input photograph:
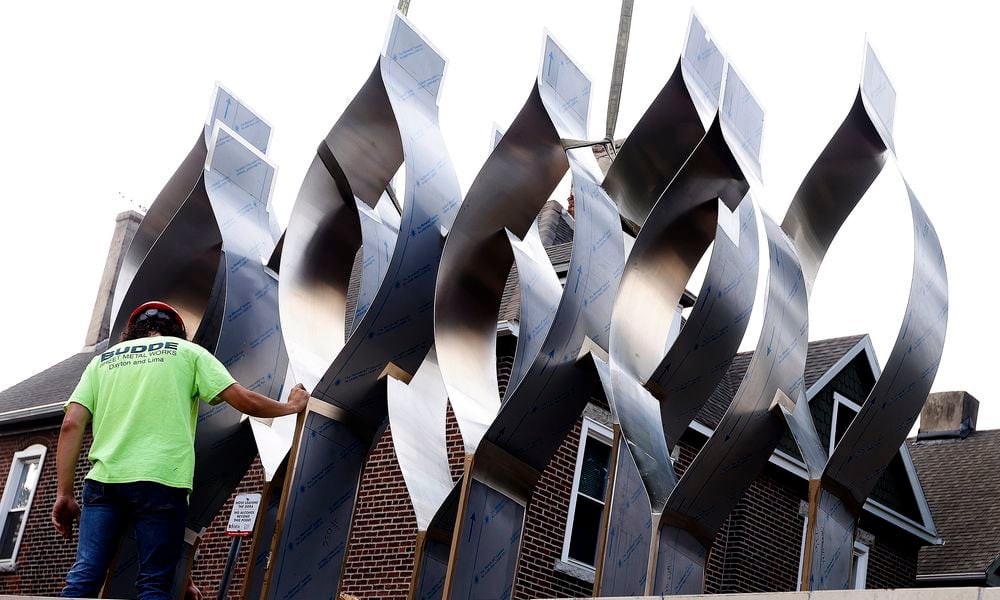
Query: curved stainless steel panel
(238, 180)
(540, 292)
(392, 121)
(380, 229)
(698, 358)
(541, 408)
(676, 234)
(748, 432)
(841, 175)
(510, 189)
(397, 327)
(418, 417)
(669, 130)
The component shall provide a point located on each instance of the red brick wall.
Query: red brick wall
(380, 551)
(760, 546)
(44, 556)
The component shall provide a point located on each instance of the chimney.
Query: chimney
(948, 415)
(126, 224)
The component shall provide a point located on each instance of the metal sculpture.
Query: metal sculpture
(392, 121)
(657, 392)
(203, 246)
(841, 482)
(473, 543)
(685, 514)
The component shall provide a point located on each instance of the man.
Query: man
(141, 396)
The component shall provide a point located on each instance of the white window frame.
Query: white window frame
(838, 400)
(861, 551)
(802, 552)
(602, 433)
(17, 464)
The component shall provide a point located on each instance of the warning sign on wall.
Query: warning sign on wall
(244, 515)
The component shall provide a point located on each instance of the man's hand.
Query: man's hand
(191, 592)
(298, 398)
(64, 512)
(251, 403)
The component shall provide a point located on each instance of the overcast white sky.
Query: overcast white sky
(102, 100)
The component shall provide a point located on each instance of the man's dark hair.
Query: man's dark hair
(145, 328)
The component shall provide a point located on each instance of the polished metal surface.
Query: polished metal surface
(392, 121)
(542, 405)
(669, 130)
(204, 247)
(747, 434)
(840, 177)
(418, 416)
(511, 187)
(229, 110)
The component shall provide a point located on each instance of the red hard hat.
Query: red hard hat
(158, 306)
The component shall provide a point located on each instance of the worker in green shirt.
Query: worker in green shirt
(141, 397)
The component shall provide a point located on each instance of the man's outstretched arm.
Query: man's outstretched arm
(66, 510)
(258, 405)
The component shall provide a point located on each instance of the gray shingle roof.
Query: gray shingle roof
(54, 384)
(961, 480)
(820, 357)
(555, 225)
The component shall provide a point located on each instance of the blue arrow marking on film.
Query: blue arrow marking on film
(551, 58)
(228, 102)
(551, 354)
(472, 518)
(579, 276)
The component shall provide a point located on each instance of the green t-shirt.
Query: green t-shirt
(143, 397)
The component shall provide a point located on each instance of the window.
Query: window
(859, 566)
(586, 505)
(844, 411)
(803, 512)
(16, 502)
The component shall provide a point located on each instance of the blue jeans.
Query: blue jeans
(157, 512)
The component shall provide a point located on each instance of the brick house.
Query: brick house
(759, 549)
